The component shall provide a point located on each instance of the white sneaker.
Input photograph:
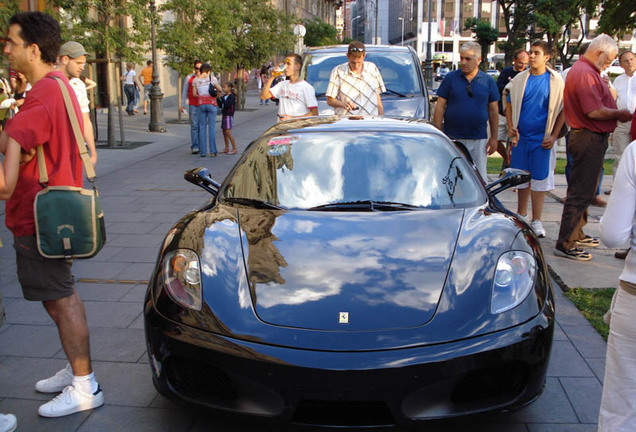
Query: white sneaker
(8, 423)
(71, 401)
(537, 227)
(57, 382)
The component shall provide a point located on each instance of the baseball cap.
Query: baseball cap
(72, 49)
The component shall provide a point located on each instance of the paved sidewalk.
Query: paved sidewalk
(143, 194)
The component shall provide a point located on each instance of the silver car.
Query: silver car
(406, 94)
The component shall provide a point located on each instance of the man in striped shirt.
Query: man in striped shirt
(355, 87)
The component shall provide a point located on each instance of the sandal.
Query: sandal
(232, 152)
(574, 254)
(588, 241)
(226, 151)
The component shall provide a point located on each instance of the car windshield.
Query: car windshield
(342, 171)
(397, 69)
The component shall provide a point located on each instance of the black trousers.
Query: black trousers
(587, 149)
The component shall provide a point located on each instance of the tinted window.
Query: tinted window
(311, 169)
(398, 69)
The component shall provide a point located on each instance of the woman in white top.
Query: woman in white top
(207, 109)
(618, 403)
(131, 82)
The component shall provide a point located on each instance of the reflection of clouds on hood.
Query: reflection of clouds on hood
(221, 251)
(390, 262)
(324, 275)
(309, 184)
(481, 247)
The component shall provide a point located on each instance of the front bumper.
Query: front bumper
(502, 370)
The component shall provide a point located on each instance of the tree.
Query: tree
(260, 32)
(188, 37)
(7, 10)
(517, 19)
(113, 29)
(556, 19)
(320, 33)
(618, 17)
(485, 34)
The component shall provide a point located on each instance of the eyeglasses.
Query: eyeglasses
(356, 50)
(469, 90)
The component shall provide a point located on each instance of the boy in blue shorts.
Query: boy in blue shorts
(534, 114)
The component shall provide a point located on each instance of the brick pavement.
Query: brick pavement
(143, 193)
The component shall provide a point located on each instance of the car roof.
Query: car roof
(354, 124)
(369, 48)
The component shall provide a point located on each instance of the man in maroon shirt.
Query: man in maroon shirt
(590, 111)
(32, 44)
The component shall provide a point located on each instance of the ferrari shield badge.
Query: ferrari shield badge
(343, 317)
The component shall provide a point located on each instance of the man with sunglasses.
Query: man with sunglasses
(193, 106)
(534, 117)
(467, 101)
(355, 87)
(297, 98)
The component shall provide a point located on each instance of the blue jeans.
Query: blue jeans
(193, 111)
(207, 123)
(129, 90)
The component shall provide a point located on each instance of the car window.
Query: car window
(314, 169)
(398, 70)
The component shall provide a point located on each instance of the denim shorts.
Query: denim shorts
(42, 279)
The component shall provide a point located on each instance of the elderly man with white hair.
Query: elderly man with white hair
(466, 104)
(590, 111)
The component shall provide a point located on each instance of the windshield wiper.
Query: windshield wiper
(253, 203)
(388, 90)
(363, 205)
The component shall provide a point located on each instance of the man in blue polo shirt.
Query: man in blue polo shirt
(467, 102)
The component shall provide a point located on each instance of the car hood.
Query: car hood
(393, 106)
(347, 271)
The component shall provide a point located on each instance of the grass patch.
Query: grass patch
(593, 303)
(494, 166)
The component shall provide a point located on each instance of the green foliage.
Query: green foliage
(593, 304)
(618, 18)
(9, 7)
(320, 33)
(485, 34)
(517, 18)
(555, 19)
(107, 27)
(223, 33)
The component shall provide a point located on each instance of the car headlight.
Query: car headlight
(514, 278)
(181, 274)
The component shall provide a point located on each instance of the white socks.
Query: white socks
(86, 384)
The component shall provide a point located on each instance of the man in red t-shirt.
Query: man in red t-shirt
(590, 111)
(32, 45)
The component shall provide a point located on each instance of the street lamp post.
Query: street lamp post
(402, 19)
(428, 64)
(352, 20)
(375, 42)
(156, 114)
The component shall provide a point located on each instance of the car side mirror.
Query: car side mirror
(201, 177)
(510, 177)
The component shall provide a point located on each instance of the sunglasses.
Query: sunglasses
(197, 68)
(469, 90)
(356, 50)
(288, 62)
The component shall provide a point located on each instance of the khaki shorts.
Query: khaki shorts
(42, 279)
